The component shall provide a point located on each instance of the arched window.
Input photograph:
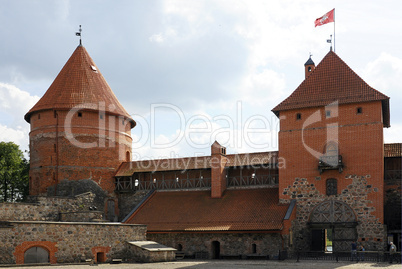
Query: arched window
(128, 157)
(179, 247)
(332, 186)
(331, 149)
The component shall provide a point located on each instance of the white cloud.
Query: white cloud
(18, 136)
(14, 104)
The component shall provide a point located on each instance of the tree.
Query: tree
(14, 169)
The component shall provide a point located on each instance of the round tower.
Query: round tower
(79, 130)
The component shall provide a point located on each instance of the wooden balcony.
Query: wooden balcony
(330, 162)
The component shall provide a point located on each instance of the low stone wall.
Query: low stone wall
(230, 244)
(67, 242)
(149, 251)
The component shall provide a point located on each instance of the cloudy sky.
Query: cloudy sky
(191, 72)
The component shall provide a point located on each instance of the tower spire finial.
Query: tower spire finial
(79, 34)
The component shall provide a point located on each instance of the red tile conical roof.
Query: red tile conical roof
(80, 84)
(333, 80)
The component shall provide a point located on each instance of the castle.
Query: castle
(338, 179)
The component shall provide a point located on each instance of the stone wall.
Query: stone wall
(370, 231)
(42, 208)
(231, 244)
(67, 242)
(128, 201)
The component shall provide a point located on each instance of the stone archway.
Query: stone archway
(336, 216)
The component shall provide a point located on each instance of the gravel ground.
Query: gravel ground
(229, 265)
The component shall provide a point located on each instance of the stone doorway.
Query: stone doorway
(336, 217)
(216, 250)
(36, 255)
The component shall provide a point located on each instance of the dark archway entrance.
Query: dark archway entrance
(36, 255)
(216, 250)
(336, 217)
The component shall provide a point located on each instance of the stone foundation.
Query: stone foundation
(67, 242)
(370, 231)
(231, 244)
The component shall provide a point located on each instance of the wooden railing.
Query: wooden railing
(252, 180)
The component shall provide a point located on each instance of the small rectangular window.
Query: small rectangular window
(359, 110)
(101, 116)
(328, 113)
(54, 114)
(38, 116)
(298, 116)
(80, 114)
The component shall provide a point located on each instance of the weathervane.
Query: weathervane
(330, 41)
(79, 34)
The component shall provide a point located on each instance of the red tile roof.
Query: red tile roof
(80, 83)
(393, 150)
(201, 162)
(193, 211)
(333, 80)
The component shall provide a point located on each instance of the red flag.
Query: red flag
(328, 17)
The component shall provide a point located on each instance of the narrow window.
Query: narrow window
(254, 248)
(54, 114)
(298, 116)
(101, 116)
(328, 113)
(359, 110)
(332, 186)
(38, 116)
(54, 147)
(80, 114)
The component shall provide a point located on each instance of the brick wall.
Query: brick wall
(68, 242)
(74, 148)
(361, 183)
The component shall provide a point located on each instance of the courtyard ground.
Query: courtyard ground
(228, 264)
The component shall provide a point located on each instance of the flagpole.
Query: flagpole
(334, 29)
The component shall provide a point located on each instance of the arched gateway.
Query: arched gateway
(334, 220)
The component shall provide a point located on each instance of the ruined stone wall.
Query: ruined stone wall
(45, 208)
(67, 242)
(230, 243)
(128, 201)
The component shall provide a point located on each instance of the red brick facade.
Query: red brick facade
(354, 133)
(65, 145)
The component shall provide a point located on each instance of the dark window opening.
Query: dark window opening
(54, 148)
(332, 186)
(179, 247)
(298, 116)
(359, 110)
(254, 248)
(80, 114)
(54, 114)
(38, 116)
(101, 116)
(327, 113)
(309, 68)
